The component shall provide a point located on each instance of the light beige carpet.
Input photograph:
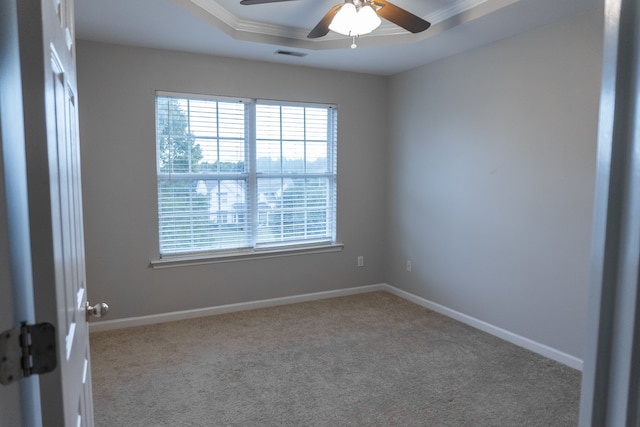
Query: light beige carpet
(365, 360)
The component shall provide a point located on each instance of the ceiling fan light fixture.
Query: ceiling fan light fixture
(353, 22)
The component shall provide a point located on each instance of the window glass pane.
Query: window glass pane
(202, 215)
(221, 156)
(294, 209)
(231, 120)
(203, 117)
(294, 154)
(268, 156)
(229, 213)
(200, 135)
(268, 122)
(176, 147)
(292, 139)
(184, 216)
(316, 159)
(293, 123)
(316, 124)
(269, 208)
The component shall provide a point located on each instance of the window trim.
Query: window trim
(200, 258)
(324, 245)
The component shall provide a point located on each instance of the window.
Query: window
(244, 175)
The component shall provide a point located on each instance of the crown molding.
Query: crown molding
(452, 10)
(261, 32)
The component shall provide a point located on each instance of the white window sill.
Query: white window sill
(199, 259)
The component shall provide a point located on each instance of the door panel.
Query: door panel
(55, 203)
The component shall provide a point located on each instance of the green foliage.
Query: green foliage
(184, 212)
(177, 150)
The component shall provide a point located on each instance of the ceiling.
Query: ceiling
(226, 28)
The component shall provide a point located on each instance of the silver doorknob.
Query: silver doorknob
(97, 310)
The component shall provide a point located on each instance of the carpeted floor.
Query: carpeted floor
(364, 360)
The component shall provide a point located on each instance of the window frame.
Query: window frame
(251, 177)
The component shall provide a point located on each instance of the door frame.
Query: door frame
(611, 374)
(17, 281)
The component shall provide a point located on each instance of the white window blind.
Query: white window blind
(243, 175)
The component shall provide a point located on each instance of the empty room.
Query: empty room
(295, 222)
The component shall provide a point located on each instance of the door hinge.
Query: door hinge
(27, 350)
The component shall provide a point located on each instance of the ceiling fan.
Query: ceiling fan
(356, 17)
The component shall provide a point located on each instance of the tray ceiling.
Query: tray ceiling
(226, 28)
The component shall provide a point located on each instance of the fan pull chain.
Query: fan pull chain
(354, 45)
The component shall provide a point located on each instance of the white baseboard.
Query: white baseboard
(508, 336)
(106, 325)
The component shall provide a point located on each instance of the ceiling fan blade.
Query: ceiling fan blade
(250, 2)
(322, 28)
(401, 17)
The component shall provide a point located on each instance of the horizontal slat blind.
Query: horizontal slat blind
(202, 181)
(209, 198)
(295, 148)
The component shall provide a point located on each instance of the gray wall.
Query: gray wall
(492, 168)
(116, 101)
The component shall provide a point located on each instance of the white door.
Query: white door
(56, 248)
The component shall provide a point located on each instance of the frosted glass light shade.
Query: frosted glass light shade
(367, 20)
(345, 18)
(351, 22)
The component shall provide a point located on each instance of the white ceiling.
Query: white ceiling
(226, 28)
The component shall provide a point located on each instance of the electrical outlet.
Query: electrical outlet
(360, 261)
(409, 266)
